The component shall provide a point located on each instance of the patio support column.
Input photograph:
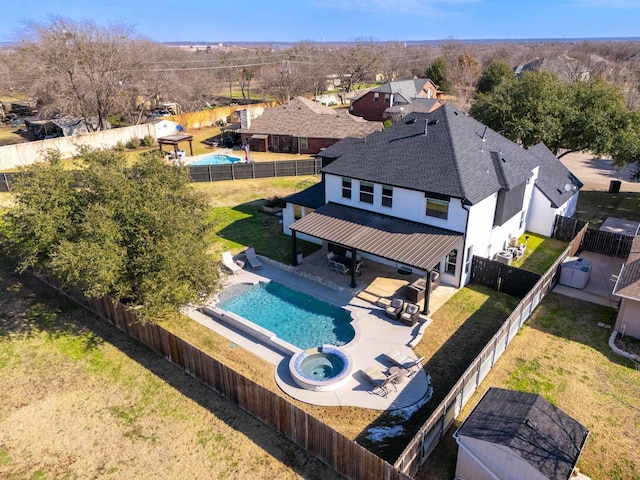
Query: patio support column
(294, 250)
(427, 294)
(353, 268)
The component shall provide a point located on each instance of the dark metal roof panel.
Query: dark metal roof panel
(410, 243)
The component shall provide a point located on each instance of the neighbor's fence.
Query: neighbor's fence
(340, 453)
(436, 426)
(242, 171)
(233, 171)
(593, 240)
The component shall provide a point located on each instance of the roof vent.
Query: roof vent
(434, 122)
(411, 121)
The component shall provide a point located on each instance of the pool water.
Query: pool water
(293, 316)
(215, 159)
(321, 366)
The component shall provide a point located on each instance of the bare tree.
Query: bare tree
(355, 63)
(81, 68)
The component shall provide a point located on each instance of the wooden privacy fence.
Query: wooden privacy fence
(233, 171)
(502, 278)
(342, 454)
(436, 426)
(598, 241)
(240, 171)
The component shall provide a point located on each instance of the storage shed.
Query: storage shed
(513, 435)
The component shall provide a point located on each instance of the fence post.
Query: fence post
(209, 170)
(6, 181)
(253, 170)
(275, 174)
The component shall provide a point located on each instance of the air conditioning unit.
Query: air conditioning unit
(504, 257)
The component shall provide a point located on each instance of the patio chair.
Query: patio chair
(380, 381)
(253, 259)
(393, 310)
(227, 261)
(400, 359)
(414, 367)
(410, 315)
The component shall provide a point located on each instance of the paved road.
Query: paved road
(597, 174)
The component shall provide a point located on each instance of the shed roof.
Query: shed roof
(402, 241)
(532, 428)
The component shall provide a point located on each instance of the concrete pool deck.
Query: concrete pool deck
(377, 336)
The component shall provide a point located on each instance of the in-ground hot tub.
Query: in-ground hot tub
(322, 369)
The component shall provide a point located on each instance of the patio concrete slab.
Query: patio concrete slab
(604, 273)
(620, 225)
(376, 335)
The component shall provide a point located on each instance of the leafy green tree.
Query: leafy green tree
(567, 117)
(138, 233)
(438, 73)
(496, 73)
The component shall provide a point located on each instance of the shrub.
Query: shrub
(133, 143)
(148, 141)
(275, 202)
(119, 146)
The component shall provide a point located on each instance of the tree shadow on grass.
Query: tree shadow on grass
(247, 224)
(30, 307)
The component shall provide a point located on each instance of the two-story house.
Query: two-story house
(430, 192)
(382, 102)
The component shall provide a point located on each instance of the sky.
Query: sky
(214, 21)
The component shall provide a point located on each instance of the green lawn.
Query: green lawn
(540, 254)
(595, 207)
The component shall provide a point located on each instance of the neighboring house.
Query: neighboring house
(513, 435)
(374, 104)
(568, 68)
(302, 126)
(58, 127)
(628, 289)
(431, 191)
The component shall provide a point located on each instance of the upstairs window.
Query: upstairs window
(346, 188)
(375, 96)
(386, 98)
(366, 192)
(387, 196)
(438, 207)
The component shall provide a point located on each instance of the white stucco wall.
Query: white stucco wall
(628, 320)
(542, 214)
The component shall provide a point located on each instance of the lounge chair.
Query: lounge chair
(253, 259)
(393, 310)
(380, 381)
(407, 363)
(227, 261)
(410, 315)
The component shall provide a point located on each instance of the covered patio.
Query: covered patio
(175, 141)
(409, 245)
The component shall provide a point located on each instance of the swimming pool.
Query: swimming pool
(293, 316)
(215, 159)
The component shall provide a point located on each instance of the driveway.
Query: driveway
(596, 174)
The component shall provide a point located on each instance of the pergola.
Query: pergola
(406, 242)
(175, 140)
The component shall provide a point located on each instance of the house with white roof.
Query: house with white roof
(428, 193)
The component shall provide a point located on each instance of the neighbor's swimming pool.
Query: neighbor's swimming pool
(215, 159)
(293, 316)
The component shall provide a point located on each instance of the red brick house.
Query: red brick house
(375, 104)
(303, 126)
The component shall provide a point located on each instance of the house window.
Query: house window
(304, 144)
(386, 98)
(437, 207)
(387, 196)
(467, 263)
(366, 192)
(450, 262)
(375, 96)
(346, 188)
(523, 216)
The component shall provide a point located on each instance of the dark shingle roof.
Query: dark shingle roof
(305, 118)
(453, 158)
(531, 427)
(407, 88)
(628, 284)
(421, 105)
(312, 197)
(555, 180)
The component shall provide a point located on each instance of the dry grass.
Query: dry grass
(562, 354)
(79, 399)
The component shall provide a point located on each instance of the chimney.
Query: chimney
(245, 119)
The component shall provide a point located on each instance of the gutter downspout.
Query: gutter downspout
(464, 243)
